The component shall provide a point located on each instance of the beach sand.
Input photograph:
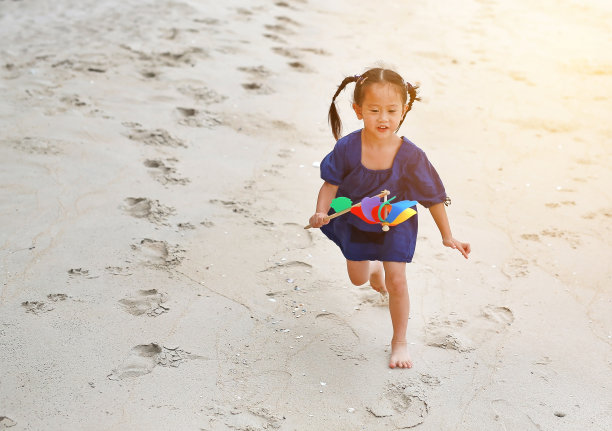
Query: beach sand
(158, 164)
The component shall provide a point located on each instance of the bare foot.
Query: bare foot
(377, 278)
(400, 358)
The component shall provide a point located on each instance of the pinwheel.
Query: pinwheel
(374, 211)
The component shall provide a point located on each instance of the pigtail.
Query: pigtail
(412, 93)
(333, 117)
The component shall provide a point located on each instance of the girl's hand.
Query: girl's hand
(463, 247)
(318, 220)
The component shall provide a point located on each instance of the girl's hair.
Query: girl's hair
(370, 77)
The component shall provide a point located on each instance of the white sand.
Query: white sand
(156, 172)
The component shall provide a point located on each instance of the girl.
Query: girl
(362, 164)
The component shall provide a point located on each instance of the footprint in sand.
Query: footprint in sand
(196, 118)
(558, 204)
(511, 417)
(255, 418)
(156, 137)
(286, 20)
(342, 339)
(274, 170)
(280, 29)
(257, 88)
(429, 380)
(244, 12)
(149, 74)
(239, 207)
(256, 71)
(89, 62)
(207, 223)
(35, 145)
(317, 51)
(147, 302)
(285, 153)
(208, 21)
(252, 384)
(275, 37)
(371, 297)
(283, 4)
(179, 58)
(74, 100)
(57, 297)
(40, 307)
(294, 236)
(531, 237)
(300, 67)
(571, 238)
(202, 94)
(163, 172)
(75, 272)
(6, 422)
(36, 307)
(185, 226)
(144, 357)
(245, 418)
(288, 274)
(464, 335)
(285, 52)
(398, 408)
(607, 213)
(147, 208)
(119, 270)
(516, 267)
(158, 253)
(499, 317)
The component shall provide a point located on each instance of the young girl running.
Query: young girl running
(366, 162)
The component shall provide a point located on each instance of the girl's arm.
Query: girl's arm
(326, 195)
(438, 212)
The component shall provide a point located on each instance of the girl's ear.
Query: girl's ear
(358, 111)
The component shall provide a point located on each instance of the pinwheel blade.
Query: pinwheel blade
(340, 204)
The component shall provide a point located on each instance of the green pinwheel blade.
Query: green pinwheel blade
(341, 204)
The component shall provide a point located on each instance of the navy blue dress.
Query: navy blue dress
(411, 177)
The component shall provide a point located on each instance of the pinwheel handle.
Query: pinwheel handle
(338, 214)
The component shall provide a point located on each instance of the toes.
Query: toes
(400, 364)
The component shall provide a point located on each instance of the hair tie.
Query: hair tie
(360, 79)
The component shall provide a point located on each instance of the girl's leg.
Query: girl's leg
(360, 272)
(399, 307)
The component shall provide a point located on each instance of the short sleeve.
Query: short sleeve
(428, 189)
(334, 165)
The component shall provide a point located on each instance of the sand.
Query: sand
(157, 169)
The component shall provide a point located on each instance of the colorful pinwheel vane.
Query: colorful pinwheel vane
(374, 210)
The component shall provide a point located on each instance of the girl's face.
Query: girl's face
(381, 110)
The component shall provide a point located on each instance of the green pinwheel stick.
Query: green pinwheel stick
(338, 214)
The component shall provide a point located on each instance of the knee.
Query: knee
(358, 279)
(358, 272)
(396, 284)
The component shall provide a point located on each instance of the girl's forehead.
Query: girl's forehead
(382, 92)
